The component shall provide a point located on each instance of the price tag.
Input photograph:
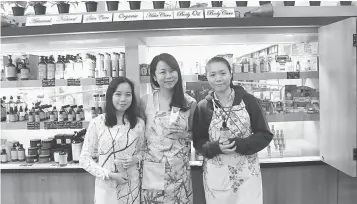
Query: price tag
(60, 125)
(188, 14)
(77, 125)
(33, 125)
(73, 82)
(158, 15)
(102, 81)
(48, 82)
(293, 75)
(128, 16)
(51, 125)
(67, 125)
(220, 13)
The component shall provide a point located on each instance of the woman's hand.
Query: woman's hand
(226, 147)
(120, 178)
(127, 162)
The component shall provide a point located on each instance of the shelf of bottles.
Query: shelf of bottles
(27, 104)
(84, 69)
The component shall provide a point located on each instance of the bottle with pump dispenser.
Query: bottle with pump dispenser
(25, 71)
(3, 156)
(10, 70)
(78, 67)
(60, 68)
(21, 153)
(42, 69)
(14, 155)
(122, 64)
(115, 64)
(51, 68)
(108, 64)
(69, 67)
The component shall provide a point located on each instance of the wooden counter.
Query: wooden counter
(283, 183)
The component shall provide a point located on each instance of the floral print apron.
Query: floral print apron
(166, 174)
(232, 178)
(108, 144)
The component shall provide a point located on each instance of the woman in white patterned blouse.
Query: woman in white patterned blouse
(115, 138)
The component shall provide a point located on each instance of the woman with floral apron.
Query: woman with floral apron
(168, 113)
(115, 139)
(229, 130)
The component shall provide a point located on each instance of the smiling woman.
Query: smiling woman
(116, 139)
(168, 115)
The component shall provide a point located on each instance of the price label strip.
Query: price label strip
(73, 82)
(33, 125)
(48, 82)
(51, 125)
(293, 75)
(76, 125)
(102, 81)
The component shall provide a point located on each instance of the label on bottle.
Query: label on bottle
(246, 68)
(21, 155)
(82, 115)
(70, 117)
(3, 158)
(52, 117)
(51, 71)
(60, 117)
(25, 74)
(14, 155)
(42, 71)
(78, 117)
(37, 118)
(10, 71)
(59, 71)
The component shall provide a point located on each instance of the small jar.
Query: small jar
(32, 151)
(62, 158)
(35, 143)
(44, 158)
(56, 156)
(31, 159)
(47, 143)
(45, 151)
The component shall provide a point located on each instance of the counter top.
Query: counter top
(276, 162)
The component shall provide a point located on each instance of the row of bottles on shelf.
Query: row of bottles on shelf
(66, 67)
(60, 149)
(279, 64)
(279, 142)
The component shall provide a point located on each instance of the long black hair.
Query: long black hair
(178, 97)
(224, 61)
(130, 113)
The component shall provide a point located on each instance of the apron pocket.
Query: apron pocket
(153, 176)
(217, 177)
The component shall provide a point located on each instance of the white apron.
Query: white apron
(108, 144)
(232, 178)
(166, 174)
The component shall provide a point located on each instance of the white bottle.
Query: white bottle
(100, 66)
(115, 64)
(78, 67)
(122, 64)
(69, 72)
(89, 66)
(108, 64)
